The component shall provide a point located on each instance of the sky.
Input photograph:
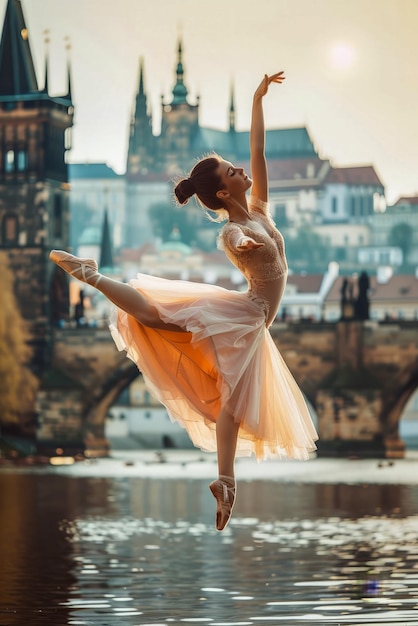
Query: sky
(351, 68)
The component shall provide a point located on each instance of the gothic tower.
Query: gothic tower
(179, 125)
(141, 151)
(34, 205)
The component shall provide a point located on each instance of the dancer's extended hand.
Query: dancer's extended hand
(249, 244)
(262, 88)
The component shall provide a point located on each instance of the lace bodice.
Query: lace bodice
(258, 265)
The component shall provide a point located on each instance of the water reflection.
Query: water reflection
(137, 552)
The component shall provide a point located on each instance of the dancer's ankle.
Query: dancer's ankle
(229, 480)
(94, 279)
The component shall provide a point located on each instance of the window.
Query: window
(280, 215)
(22, 161)
(57, 224)
(10, 229)
(68, 140)
(9, 165)
(334, 204)
(310, 170)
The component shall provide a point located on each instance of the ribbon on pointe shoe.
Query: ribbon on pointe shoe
(85, 270)
(223, 490)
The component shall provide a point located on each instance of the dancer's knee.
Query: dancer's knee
(148, 316)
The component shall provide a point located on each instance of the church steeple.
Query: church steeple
(17, 71)
(106, 256)
(141, 98)
(232, 111)
(69, 90)
(69, 93)
(180, 89)
(45, 90)
(141, 139)
(46, 86)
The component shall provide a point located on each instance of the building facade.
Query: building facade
(96, 188)
(397, 227)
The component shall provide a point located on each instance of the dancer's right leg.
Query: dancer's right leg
(121, 294)
(131, 301)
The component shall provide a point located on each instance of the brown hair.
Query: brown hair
(204, 181)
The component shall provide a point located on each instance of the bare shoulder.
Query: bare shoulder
(258, 206)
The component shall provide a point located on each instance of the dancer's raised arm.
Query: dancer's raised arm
(257, 138)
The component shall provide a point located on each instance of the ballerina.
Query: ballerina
(206, 352)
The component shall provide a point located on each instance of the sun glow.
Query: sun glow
(342, 56)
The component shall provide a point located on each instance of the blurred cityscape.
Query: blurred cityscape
(336, 222)
(343, 240)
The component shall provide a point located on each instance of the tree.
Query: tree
(17, 383)
(307, 249)
(166, 217)
(400, 236)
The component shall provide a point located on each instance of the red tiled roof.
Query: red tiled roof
(309, 283)
(400, 287)
(361, 175)
(407, 200)
(135, 254)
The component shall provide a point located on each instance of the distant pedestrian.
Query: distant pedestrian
(206, 352)
(362, 301)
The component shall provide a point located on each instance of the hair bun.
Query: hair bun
(184, 190)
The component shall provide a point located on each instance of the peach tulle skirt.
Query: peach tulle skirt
(226, 359)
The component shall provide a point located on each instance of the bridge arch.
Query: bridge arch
(97, 407)
(407, 384)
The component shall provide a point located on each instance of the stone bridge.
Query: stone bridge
(358, 376)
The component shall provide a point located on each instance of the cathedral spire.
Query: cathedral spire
(106, 256)
(141, 140)
(68, 48)
(46, 86)
(17, 71)
(141, 98)
(141, 92)
(232, 110)
(180, 89)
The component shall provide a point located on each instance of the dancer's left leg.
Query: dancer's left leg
(223, 489)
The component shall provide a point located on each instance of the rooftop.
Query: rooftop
(361, 175)
(400, 287)
(411, 200)
(309, 283)
(78, 171)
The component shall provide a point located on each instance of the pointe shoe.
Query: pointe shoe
(225, 498)
(85, 270)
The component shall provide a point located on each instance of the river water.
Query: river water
(132, 551)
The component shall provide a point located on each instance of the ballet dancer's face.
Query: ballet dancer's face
(234, 180)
